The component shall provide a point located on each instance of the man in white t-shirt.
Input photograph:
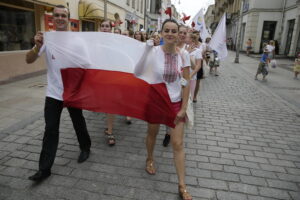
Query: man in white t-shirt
(54, 103)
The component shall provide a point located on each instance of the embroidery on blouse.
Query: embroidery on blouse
(171, 68)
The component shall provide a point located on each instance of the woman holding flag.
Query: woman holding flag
(181, 45)
(173, 65)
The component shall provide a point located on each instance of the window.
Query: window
(138, 5)
(17, 29)
(128, 2)
(88, 26)
(133, 3)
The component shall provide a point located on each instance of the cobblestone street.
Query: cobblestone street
(245, 145)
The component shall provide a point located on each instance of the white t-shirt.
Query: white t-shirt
(54, 81)
(270, 48)
(56, 61)
(174, 88)
(195, 55)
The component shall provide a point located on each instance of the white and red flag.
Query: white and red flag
(218, 40)
(199, 25)
(97, 74)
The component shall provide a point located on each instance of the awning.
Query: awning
(49, 2)
(90, 10)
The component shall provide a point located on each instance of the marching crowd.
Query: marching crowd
(180, 55)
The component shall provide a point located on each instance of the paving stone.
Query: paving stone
(225, 176)
(253, 180)
(243, 188)
(263, 173)
(221, 195)
(237, 170)
(282, 184)
(284, 163)
(273, 193)
(212, 184)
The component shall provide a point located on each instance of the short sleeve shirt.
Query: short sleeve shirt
(195, 55)
(183, 60)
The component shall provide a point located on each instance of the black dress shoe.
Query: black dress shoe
(83, 156)
(166, 140)
(40, 175)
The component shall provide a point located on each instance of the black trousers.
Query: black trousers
(52, 113)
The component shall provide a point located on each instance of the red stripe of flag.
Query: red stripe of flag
(117, 93)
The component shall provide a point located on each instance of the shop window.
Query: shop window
(88, 26)
(17, 29)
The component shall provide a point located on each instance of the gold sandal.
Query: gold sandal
(183, 193)
(150, 169)
(110, 138)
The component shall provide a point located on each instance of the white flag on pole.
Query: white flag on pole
(200, 25)
(218, 40)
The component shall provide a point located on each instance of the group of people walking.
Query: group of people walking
(180, 56)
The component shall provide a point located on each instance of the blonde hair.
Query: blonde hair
(193, 37)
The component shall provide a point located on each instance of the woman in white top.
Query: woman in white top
(196, 58)
(181, 45)
(172, 65)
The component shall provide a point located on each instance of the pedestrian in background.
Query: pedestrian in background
(249, 46)
(271, 50)
(54, 103)
(263, 65)
(297, 66)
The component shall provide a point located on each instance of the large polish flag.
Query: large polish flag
(200, 25)
(97, 72)
(218, 40)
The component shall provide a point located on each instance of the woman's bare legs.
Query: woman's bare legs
(150, 143)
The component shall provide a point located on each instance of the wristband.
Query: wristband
(183, 82)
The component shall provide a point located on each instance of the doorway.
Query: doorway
(268, 33)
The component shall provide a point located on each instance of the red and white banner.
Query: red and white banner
(218, 40)
(97, 75)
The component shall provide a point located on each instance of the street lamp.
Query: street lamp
(236, 60)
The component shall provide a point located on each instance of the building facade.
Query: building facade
(209, 17)
(263, 20)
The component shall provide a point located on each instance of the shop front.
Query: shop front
(91, 13)
(19, 21)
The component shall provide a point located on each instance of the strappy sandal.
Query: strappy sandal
(110, 138)
(150, 169)
(184, 195)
